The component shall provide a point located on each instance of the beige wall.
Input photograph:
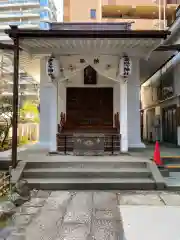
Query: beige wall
(66, 17)
(79, 11)
(141, 24)
(126, 2)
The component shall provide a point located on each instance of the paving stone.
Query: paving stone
(35, 202)
(104, 200)
(54, 203)
(171, 199)
(20, 220)
(74, 232)
(140, 199)
(105, 230)
(80, 208)
(43, 194)
(19, 230)
(68, 215)
(17, 237)
(27, 210)
(45, 226)
(104, 214)
(59, 193)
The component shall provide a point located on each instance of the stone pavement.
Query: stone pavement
(127, 215)
(70, 216)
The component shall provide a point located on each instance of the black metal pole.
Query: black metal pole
(112, 144)
(15, 102)
(65, 142)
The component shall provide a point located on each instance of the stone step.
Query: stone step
(87, 173)
(173, 181)
(91, 184)
(88, 163)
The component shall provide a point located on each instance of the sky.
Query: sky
(59, 6)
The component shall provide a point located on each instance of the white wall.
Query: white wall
(48, 103)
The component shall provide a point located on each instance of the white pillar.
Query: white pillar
(53, 117)
(48, 111)
(123, 116)
(44, 130)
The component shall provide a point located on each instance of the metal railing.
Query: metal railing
(19, 2)
(94, 144)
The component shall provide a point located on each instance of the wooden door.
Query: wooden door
(89, 107)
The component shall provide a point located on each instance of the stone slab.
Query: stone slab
(104, 200)
(69, 215)
(74, 231)
(79, 209)
(35, 202)
(45, 226)
(27, 210)
(171, 199)
(150, 222)
(42, 194)
(21, 220)
(140, 199)
(57, 202)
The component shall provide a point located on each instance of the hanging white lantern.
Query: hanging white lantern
(53, 69)
(125, 66)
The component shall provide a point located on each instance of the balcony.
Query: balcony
(24, 24)
(138, 11)
(18, 15)
(18, 3)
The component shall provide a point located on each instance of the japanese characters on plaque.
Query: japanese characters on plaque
(125, 66)
(52, 68)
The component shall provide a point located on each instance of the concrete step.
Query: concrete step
(98, 164)
(87, 173)
(91, 184)
(173, 181)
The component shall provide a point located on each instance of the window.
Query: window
(93, 13)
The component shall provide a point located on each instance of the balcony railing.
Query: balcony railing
(19, 2)
(20, 23)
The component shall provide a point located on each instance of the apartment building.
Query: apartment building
(32, 14)
(27, 13)
(145, 14)
(160, 97)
